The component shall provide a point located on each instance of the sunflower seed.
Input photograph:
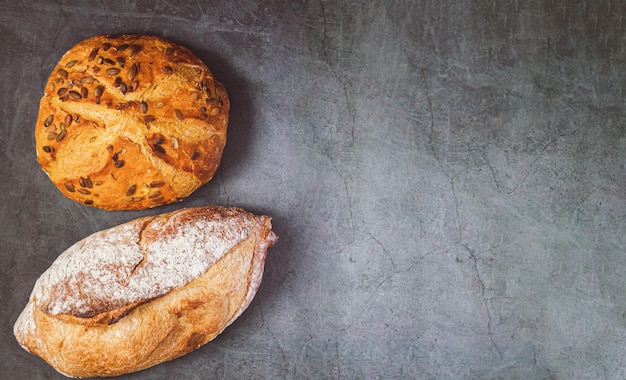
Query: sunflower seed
(113, 71)
(160, 105)
(119, 164)
(51, 136)
(48, 149)
(92, 55)
(88, 182)
(83, 191)
(100, 60)
(136, 49)
(109, 61)
(88, 202)
(62, 73)
(69, 186)
(58, 81)
(136, 199)
(133, 86)
(122, 47)
(51, 128)
(121, 61)
(154, 194)
(115, 157)
(70, 63)
(81, 182)
(131, 190)
(143, 106)
(96, 69)
(117, 82)
(123, 88)
(168, 69)
(106, 46)
(215, 111)
(48, 121)
(195, 155)
(157, 183)
(85, 80)
(132, 71)
(194, 96)
(158, 200)
(62, 91)
(179, 114)
(84, 92)
(149, 118)
(68, 120)
(174, 142)
(169, 50)
(61, 136)
(64, 98)
(75, 94)
(97, 92)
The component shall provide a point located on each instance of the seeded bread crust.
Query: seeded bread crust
(146, 291)
(130, 122)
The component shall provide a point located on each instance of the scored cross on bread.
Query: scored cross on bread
(131, 122)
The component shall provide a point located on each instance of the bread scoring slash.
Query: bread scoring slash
(130, 122)
(144, 292)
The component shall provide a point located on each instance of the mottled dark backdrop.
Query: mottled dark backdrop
(448, 179)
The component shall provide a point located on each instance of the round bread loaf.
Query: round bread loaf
(130, 122)
(147, 291)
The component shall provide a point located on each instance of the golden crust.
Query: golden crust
(144, 333)
(130, 122)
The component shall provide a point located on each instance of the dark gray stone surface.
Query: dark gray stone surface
(448, 180)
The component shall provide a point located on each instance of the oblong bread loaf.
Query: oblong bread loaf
(144, 292)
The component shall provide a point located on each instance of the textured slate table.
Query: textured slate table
(448, 180)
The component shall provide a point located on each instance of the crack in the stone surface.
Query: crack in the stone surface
(472, 255)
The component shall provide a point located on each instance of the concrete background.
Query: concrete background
(448, 180)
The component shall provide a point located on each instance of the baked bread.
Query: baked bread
(146, 291)
(130, 122)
